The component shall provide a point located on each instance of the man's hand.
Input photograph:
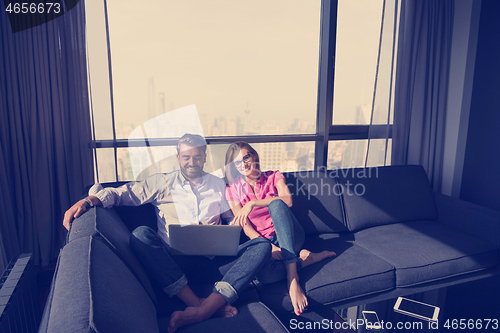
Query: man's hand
(276, 252)
(78, 209)
(75, 211)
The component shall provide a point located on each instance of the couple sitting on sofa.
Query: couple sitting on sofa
(252, 195)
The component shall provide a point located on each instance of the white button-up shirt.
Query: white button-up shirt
(175, 200)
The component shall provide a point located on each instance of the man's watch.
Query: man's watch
(89, 202)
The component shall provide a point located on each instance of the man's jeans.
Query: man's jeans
(289, 237)
(232, 274)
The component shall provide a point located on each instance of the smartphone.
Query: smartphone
(371, 320)
(416, 309)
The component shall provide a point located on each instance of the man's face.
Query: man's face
(191, 161)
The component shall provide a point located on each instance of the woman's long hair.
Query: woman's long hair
(232, 152)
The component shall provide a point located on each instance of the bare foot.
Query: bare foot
(299, 300)
(191, 315)
(225, 311)
(308, 258)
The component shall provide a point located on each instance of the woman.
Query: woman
(260, 202)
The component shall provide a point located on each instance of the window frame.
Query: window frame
(325, 130)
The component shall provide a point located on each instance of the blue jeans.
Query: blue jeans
(289, 237)
(231, 274)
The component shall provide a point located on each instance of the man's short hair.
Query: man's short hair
(193, 140)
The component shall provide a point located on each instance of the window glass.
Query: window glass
(357, 50)
(137, 163)
(250, 67)
(106, 165)
(352, 153)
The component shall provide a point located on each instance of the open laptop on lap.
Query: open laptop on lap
(206, 240)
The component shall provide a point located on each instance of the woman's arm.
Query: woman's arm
(249, 230)
(244, 223)
(283, 194)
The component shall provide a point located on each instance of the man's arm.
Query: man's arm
(78, 209)
(129, 194)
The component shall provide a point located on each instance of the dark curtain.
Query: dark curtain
(421, 90)
(45, 160)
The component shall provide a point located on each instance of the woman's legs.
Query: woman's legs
(289, 233)
(275, 270)
(283, 222)
(290, 238)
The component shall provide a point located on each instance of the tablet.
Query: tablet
(416, 309)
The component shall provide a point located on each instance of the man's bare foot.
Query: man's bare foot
(225, 311)
(190, 315)
(308, 258)
(299, 299)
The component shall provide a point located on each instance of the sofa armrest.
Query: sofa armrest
(468, 217)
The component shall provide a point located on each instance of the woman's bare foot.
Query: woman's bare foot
(299, 299)
(190, 315)
(308, 258)
(225, 311)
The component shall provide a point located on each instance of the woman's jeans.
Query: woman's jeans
(231, 274)
(289, 237)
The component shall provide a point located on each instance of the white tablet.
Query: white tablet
(416, 309)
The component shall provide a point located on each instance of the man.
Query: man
(186, 196)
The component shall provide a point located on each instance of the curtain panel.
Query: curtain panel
(421, 91)
(45, 159)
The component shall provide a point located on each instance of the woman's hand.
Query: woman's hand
(241, 217)
(276, 252)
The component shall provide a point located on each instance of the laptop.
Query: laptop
(205, 240)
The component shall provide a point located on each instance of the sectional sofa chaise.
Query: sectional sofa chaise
(392, 234)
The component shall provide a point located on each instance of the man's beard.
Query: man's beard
(194, 172)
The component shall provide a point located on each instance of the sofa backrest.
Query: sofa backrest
(315, 204)
(385, 195)
(353, 199)
(93, 291)
(341, 200)
(134, 217)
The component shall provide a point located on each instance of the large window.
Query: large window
(359, 52)
(249, 68)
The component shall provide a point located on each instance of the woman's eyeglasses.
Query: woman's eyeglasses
(246, 159)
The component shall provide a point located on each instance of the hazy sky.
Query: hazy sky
(221, 54)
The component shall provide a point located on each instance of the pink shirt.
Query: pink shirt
(241, 192)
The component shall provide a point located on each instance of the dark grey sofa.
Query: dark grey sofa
(393, 236)
(100, 286)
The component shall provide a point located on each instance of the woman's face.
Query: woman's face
(246, 162)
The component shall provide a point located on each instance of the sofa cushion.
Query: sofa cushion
(95, 292)
(354, 272)
(424, 251)
(384, 195)
(315, 204)
(99, 221)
